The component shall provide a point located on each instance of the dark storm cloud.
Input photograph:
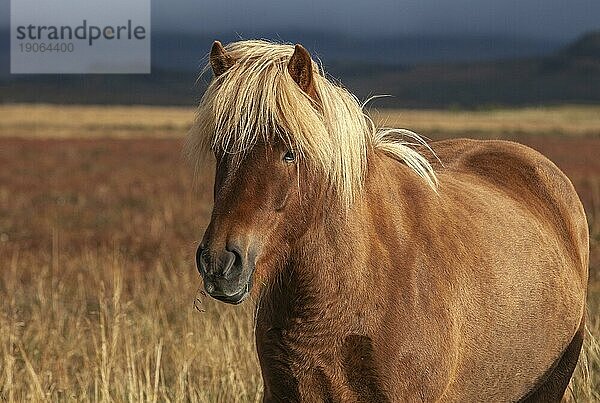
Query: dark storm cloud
(556, 19)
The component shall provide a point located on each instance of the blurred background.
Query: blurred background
(424, 53)
(100, 216)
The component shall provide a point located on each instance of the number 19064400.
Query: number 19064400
(35, 47)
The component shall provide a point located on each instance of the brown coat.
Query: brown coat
(471, 294)
(395, 291)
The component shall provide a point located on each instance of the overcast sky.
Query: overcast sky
(557, 19)
(552, 19)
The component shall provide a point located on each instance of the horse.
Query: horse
(384, 268)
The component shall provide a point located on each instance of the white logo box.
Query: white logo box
(80, 36)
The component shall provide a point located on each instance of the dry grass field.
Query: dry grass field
(99, 219)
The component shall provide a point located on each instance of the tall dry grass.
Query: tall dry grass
(97, 279)
(585, 384)
(98, 283)
(100, 327)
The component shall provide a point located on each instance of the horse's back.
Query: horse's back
(526, 176)
(545, 253)
(507, 230)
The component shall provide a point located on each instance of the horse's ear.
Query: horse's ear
(300, 68)
(220, 61)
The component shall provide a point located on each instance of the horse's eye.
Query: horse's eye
(289, 157)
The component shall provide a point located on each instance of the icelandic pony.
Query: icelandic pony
(383, 272)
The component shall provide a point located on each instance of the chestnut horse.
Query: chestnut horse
(383, 272)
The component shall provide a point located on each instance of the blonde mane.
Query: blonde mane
(257, 100)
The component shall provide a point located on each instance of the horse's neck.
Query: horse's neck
(324, 289)
(330, 277)
(331, 294)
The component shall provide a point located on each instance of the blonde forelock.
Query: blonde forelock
(257, 100)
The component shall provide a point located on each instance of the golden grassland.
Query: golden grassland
(99, 218)
(60, 121)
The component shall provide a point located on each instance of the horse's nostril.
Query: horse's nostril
(227, 263)
(236, 253)
(219, 265)
(201, 262)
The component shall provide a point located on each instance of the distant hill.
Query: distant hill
(570, 75)
(184, 52)
(587, 47)
(416, 71)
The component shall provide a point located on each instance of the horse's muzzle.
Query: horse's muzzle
(227, 274)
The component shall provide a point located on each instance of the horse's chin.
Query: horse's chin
(236, 298)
